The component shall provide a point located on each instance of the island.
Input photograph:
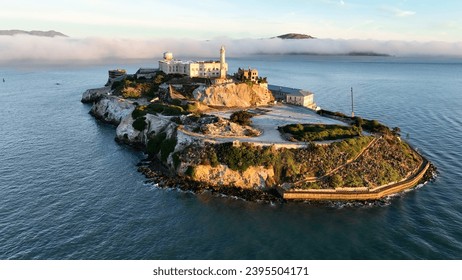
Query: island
(203, 129)
(49, 33)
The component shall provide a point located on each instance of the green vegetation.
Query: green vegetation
(137, 88)
(352, 147)
(289, 165)
(320, 132)
(139, 124)
(154, 143)
(388, 160)
(154, 108)
(241, 158)
(160, 143)
(336, 181)
(139, 112)
(191, 107)
(190, 171)
(375, 126)
(172, 110)
(241, 117)
(372, 126)
(166, 148)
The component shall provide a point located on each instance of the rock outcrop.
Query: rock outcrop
(234, 95)
(94, 94)
(222, 175)
(112, 109)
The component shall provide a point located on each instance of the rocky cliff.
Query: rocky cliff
(234, 95)
(112, 109)
(222, 175)
(94, 94)
(118, 111)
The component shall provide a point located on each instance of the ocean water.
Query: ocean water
(69, 191)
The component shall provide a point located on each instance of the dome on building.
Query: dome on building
(168, 55)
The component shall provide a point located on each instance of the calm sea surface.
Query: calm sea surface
(68, 191)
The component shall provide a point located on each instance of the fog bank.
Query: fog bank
(58, 50)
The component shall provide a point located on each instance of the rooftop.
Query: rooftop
(290, 91)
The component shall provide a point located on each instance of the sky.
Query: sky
(206, 19)
(101, 30)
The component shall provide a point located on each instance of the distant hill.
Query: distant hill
(50, 33)
(295, 36)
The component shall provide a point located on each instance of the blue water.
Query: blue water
(69, 191)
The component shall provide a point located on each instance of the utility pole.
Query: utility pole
(352, 104)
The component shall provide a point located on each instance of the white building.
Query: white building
(201, 69)
(293, 96)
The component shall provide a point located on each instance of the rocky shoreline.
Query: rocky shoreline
(156, 173)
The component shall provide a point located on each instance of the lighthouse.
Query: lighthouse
(223, 65)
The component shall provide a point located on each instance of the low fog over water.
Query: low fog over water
(57, 50)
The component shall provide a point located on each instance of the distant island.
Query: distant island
(299, 36)
(295, 36)
(50, 33)
(204, 129)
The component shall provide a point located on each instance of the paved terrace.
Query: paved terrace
(268, 119)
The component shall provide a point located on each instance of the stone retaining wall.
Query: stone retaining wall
(359, 195)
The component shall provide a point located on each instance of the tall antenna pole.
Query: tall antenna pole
(352, 104)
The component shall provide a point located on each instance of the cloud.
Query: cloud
(398, 12)
(61, 50)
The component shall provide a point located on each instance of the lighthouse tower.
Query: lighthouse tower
(223, 65)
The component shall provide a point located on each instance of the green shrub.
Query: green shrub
(190, 171)
(166, 147)
(176, 102)
(336, 181)
(214, 159)
(139, 112)
(154, 143)
(139, 124)
(320, 132)
(172, 110)
(375, 127)
(155, 108)
(191, 107)
(241, 117)
(353, 180)
(116, 85)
